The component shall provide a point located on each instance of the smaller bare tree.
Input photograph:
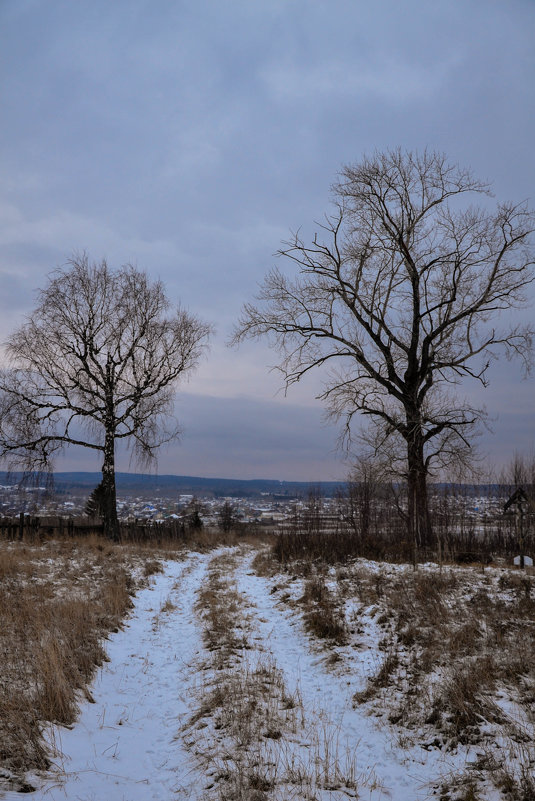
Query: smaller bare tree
(97, 362)
(193, 514)
(312, 512)
(519, 472)
(364, 487)
(226, 518)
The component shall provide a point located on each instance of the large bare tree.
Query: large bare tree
(96, 362)
(401, 293)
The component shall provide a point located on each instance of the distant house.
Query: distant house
(522, 506)
(519, 502)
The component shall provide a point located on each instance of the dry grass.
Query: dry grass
(242, 705)
(322, 616)
(455, 643)
(58, 600)
(209, 537)
(455, 660)
(246, 729)
(222, 611)
(322, 606)
(299, 546)
(450, 642)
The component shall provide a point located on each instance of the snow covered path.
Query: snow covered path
(150, 734)
(125, 746)
(383, 770)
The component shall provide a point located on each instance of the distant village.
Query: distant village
(264, 510)
(267, 509)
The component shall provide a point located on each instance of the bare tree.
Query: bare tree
(312, 512)
(193, 514)
(364, 487)
(400, 294)
(519, 473)
(97, 362)
(226, 518)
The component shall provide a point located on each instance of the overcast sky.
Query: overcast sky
(190, 137)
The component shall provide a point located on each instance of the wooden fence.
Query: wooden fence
(34, 528)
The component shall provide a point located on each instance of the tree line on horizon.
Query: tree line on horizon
(398, 298)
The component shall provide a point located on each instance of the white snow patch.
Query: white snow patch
(125, 746)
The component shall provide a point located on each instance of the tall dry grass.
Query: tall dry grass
(58, 600)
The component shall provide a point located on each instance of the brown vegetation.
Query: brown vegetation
(59, 598)
(369, 523)
(247, 721)
(451, 639)
(246, 701)
(455, 647)
(322, 614)
(57, 602)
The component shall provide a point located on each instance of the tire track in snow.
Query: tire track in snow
(402, 775)
(125, 746)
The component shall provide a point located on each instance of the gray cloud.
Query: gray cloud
(242, 437)
(188, 138)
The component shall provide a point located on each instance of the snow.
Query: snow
(124, 747)
(399, 774)
(133, 743)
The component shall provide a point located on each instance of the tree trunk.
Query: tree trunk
(419, 519)
(109, 494)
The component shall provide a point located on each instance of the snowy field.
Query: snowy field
(217, 688)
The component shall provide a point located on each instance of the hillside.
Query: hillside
(235, 679)
(137, 483)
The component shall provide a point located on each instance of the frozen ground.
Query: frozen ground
(124, 747)
(382, 770)
(151, 734)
